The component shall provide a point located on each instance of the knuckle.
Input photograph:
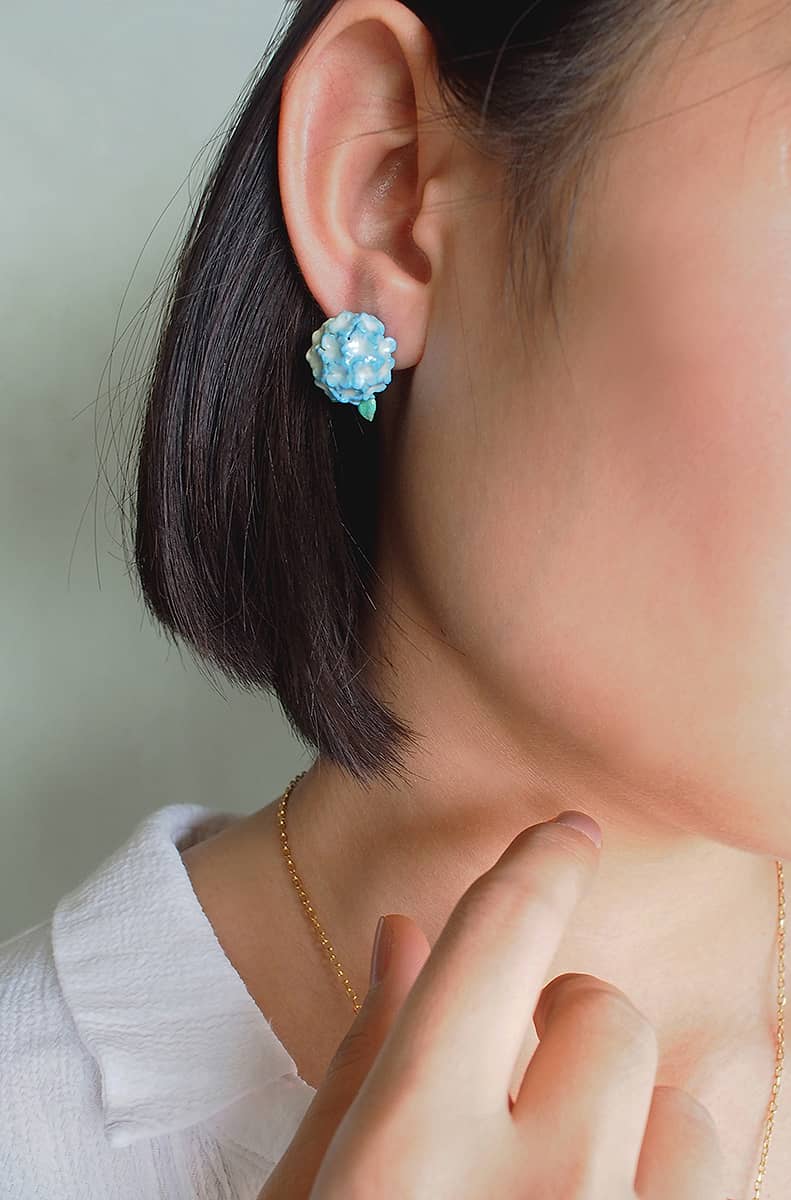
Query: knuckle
(355, 1049)
(692, 1108)
(635, 1035)
(547, 883)
(496, 897)
(605, 1009)
(495, 890)
(614, 1010)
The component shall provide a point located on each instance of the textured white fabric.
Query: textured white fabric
(134, 1063)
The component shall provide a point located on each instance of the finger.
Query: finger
(295, 1172)
(592, 1075)
(682, 1153)
(465, 1019)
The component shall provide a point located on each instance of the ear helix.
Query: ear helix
(352, 359)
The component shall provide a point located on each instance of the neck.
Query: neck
(683, 921)
(682, 913)
(685, 925)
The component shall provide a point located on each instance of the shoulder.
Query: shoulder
(33, 1016)
(64, 1038)
(48, 1082)
(133, 1060)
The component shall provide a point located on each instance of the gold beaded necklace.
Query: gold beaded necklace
(781, 998)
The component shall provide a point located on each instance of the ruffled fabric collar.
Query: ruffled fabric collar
(177, 1036)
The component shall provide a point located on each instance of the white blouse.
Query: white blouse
(134, 1063)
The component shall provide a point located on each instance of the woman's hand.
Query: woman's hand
(416, 1102)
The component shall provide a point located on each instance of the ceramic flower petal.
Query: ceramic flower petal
(352, 359)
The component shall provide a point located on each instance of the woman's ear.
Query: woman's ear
(363, 153)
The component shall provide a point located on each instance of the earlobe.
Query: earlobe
(356, 165)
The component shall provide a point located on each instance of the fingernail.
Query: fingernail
(380, 955)
(581, 821)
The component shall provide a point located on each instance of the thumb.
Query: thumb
(293, 1176)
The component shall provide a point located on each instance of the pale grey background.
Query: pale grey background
(108, 115)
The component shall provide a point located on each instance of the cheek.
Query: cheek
(649, 600)
(694, 447)
(686, 331)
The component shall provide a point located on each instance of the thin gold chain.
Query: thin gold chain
(781, 1001)
(781, 996)
(292, 870)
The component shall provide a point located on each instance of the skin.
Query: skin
(585, 548)
(419, 1069)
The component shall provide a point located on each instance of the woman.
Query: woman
(553, 572)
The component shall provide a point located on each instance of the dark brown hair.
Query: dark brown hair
(255, 520)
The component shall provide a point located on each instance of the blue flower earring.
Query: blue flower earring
(352, 359)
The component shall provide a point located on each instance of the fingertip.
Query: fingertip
(397, 956)
(381, 953)
(582, 822)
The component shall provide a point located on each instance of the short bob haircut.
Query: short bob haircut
(256, 503)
